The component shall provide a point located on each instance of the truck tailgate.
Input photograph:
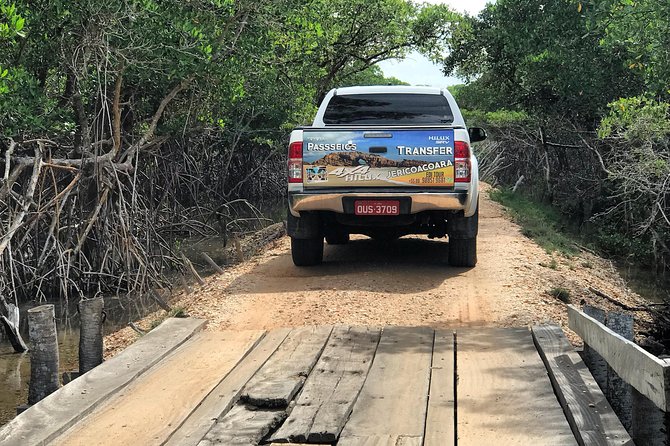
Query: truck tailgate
(337, 158)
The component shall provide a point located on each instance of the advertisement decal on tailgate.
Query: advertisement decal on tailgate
(369, 158)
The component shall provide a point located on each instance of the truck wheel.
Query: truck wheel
(337, 238)
(463, 252)
(307, 252)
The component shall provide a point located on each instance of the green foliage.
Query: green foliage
(11, 28)
(11, 23)
(539, 221)
(639, 30)
(332, 40)
(531, 55)
(612, 238)
(637, 119)
(261, 66)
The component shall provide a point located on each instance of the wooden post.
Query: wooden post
(619, 393)
(43, 354)
(91, 312)
(596, 364)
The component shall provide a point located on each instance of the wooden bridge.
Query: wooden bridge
(391, 386)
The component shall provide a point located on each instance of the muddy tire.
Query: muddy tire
(337, 238)
(307, 252)
(463, 252)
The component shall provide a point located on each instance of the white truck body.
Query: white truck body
(366, 164)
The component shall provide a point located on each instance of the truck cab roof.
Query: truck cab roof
(456, 120)
(386, 89)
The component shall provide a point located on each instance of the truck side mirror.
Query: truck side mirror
(477, 134)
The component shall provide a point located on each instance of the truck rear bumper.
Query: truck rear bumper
(421, 201)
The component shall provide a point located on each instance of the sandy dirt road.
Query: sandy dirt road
(405, 282)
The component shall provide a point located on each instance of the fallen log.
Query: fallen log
(643, 307)
(606, 296)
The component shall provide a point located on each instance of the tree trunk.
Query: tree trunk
(44, 353)
(91, 312)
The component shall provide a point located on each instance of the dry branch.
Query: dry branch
(27, 200)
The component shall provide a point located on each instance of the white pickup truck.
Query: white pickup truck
(383, 161)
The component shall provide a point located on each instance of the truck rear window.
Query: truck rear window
(388, 109)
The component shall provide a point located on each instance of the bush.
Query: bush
(560, 293)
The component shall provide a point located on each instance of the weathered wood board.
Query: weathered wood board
(504, 393)
(440, 418)
(641, 369)
(284, 374)
(53, 415)
(380, 440)
(152, 406)
(242, 426)
(590, 416)
(391, 408)
(221, 399)
(332, 388)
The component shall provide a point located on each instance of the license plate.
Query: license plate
(377, 207)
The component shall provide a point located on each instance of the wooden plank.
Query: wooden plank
(391, 409)
(591, 418)
(331, 389)
(53, 415)
(152, 406)
(440, 419)
(283, 375)
(380, 440)
(504, 393)
(633, 364)
(243, 426)
(226, 393)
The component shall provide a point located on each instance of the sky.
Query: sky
(416, 69)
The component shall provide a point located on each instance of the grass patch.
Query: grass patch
(539, 221)
(560, 293)
(551, 265)
(175, 312)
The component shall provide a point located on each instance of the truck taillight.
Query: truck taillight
(462, 162)
(295, 162)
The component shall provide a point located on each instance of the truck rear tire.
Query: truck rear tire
(463, 252)
(307, 252)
